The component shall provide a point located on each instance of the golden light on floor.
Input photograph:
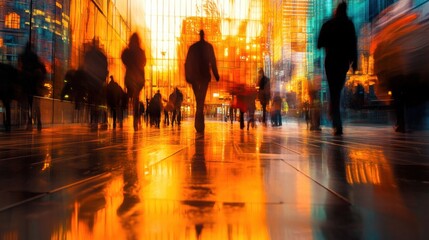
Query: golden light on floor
(361, 170)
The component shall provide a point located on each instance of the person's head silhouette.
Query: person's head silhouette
(201, 35)
(341, 10)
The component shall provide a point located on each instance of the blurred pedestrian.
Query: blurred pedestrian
(338, 37)
(276, 109)
(251, 110)
(264, 93)
(94, 71)
(34, 74)
(199, 60)
(134, 59)
(177, 104)
(114, 96)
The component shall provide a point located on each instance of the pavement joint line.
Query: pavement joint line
(310, 144)
(41, 195)
(23, 201)
(101, 175)
(238, 149)
(294, 151)
(350, 145)
(318, 183)
(12, 158)
(168, 156)
(59, 159)
(50, 143)
(344, 145)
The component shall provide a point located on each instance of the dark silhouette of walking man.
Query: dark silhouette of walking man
(264, 93)
(33, 73)
(134, 59)
(200, 59)
(338, 37)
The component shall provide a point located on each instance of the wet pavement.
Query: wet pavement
(169, 183)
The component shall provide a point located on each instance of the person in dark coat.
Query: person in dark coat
(199, 60)
(114, 96)
(338, 37)
(264, 93)
(277, 110)
(134, 59)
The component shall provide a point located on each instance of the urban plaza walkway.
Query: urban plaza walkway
(169, 183)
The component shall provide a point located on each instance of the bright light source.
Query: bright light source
(215, 94)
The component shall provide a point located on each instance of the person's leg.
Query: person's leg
(241, 119)
(38, 114)
(335, 93)
(200, 91)
(264, 113)
(120, 115)
(113, 111)
(399, 105)
(135, 111)
(30, 113)
(179, 116)
(336, 79)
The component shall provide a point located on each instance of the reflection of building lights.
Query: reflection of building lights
(47, 162)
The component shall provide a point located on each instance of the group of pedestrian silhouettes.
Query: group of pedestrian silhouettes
(337, 37)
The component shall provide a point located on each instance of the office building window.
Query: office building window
(12, 20)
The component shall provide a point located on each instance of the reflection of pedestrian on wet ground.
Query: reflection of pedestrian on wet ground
(338, 37)
(199, 60)
(131, 183)
(347, 221)
(199, 177)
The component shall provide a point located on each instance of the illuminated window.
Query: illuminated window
(12, 20)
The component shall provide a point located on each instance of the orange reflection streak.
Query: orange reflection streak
(102, 224)
(361, 171)
(371, 167)
(395, 28)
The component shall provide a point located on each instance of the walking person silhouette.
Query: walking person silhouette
(134, 59)
(199, 60)
(338, 37)
(264, 93)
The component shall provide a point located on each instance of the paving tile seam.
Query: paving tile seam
(50, 141)
(287, 148)
(168, 156)
(60, 159)
(380, 147)
(17, 157)
(319, 183)
(55, 190)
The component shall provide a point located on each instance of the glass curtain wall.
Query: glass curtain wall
(104, 23)
(238, 31)
(60, 31)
